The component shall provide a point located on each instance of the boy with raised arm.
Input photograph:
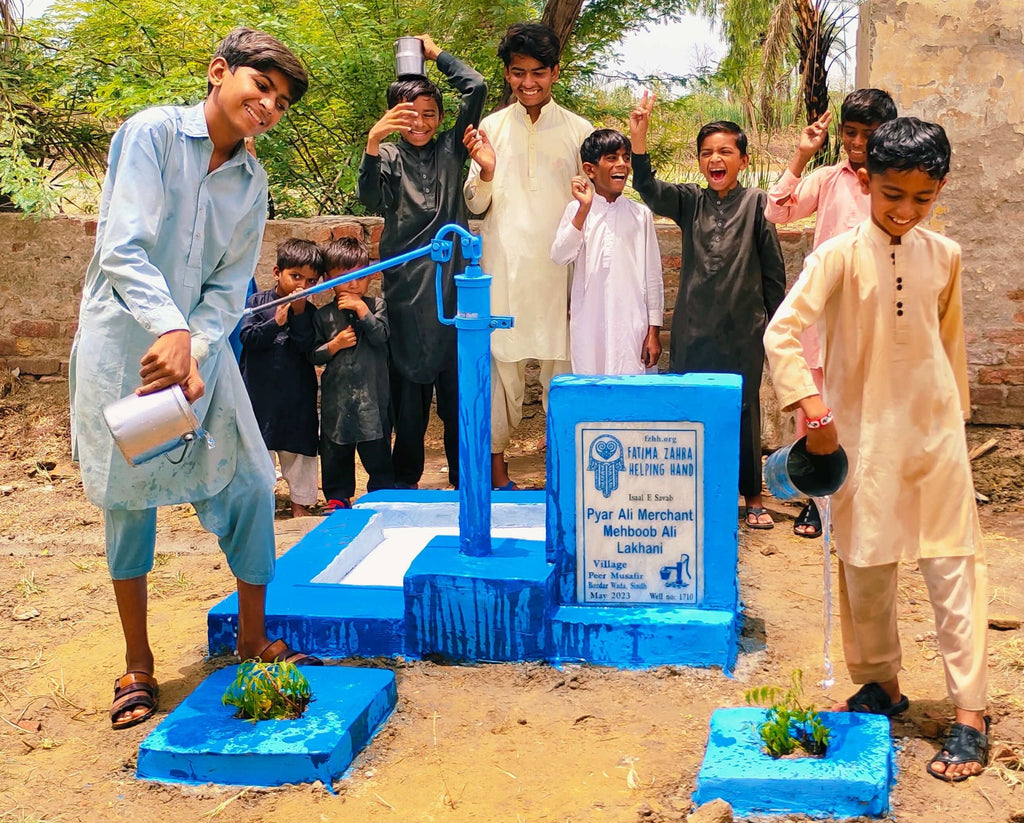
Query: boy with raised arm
(181, 218)
(524, 157)
(896, 382)
(731, 280)
(617, 292)
(833, 192)
(416, 183)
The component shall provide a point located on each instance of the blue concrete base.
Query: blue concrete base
(321, 618)
(853, 779)
(644, 637)
(489, 608)
(501, 607)
(202, 742)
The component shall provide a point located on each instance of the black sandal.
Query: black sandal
(965, 744)
(809, 516)
(873, 699)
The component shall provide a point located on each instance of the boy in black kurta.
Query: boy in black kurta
(275, 366)
(732, 277)
(351, 340)
(416, 184)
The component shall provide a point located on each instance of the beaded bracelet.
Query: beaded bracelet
(818, 422)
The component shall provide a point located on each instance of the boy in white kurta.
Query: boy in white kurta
(896, 382)
(617, 298)
(524, 156)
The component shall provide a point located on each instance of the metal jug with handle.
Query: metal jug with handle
(410, 60)
(149, 425)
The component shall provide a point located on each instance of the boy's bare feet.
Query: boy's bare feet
(300, 511)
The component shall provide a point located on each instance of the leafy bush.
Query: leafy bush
(268, 691)
(789, 725)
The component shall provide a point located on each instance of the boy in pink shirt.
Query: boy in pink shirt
(834, 193)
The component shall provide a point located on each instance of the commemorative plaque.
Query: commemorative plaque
(639, 509)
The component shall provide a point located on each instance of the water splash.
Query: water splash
(824, 505)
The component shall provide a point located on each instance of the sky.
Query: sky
(672, 48)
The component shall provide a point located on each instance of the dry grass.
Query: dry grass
(1009, 655)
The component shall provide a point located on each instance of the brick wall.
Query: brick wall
(960, 63)
(44, 264)
(46, 260)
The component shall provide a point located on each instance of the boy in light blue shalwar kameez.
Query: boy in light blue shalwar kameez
(179, 231)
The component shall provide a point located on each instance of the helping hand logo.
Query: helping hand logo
(606, 461)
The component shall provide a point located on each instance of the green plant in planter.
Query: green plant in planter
(789, 725)
(268, 691)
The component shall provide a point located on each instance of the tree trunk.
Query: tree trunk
(813, 47)
(560, 16)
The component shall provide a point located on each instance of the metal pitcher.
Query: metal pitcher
(146, 426)
(794, 472)
(410, 61)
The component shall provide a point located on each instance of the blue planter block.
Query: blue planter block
(488, 608)
(202, 742)
(852, 780)
(321, 619)
(631, 638)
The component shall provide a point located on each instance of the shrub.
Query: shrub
(789, 725)
(268, 691)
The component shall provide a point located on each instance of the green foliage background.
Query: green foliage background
(68, 79)
(106, 59)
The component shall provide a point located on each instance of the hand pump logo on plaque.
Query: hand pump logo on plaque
(639, 495)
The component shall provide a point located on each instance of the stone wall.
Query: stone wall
(45, 262)
(960, 63)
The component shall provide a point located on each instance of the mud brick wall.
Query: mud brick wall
(45, 263)
(960, 63)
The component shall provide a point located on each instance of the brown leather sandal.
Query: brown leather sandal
(279, 652)
(133, 690)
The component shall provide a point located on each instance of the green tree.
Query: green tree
(43, 141)
(106, 59)
(769, 40)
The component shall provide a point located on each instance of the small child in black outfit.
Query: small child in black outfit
(276, 344)
(351, 339)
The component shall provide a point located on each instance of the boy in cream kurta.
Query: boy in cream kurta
(833, 194)
(888, 293)
(524, 157)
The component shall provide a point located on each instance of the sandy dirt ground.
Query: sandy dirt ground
(482, 743)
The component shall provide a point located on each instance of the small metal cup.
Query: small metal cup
(410, 61)
(146, 426)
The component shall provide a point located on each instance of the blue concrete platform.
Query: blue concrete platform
(640, 638)
(202, 742)
(490, 608)
(852, 779)
(324, 619)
